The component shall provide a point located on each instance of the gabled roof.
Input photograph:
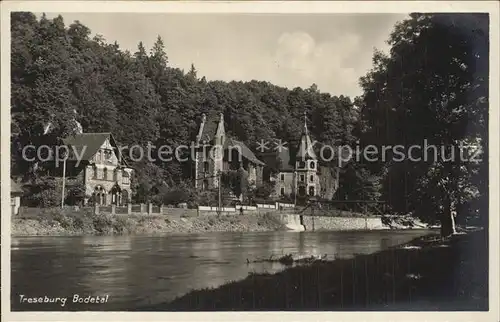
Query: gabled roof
(284, 160)
(306, 149)
(89, 144)
(208, 127)
(279, 160)
(245, 151)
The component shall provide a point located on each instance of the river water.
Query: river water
(135, 271)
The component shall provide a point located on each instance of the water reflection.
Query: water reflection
(138, 270)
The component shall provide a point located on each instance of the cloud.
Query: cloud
(305, 61)
(331, 50)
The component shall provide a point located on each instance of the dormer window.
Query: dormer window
(301, 165)
(312, 164)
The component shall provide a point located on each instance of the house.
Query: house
(216, 152)
(95, 160)
(101, 168)
(15, 196)
(299, 172)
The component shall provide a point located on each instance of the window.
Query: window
(312, 164)
(311, 178)
(105, 174)
(115, 175)
(126, 178)
(301, 165)
(282, 191)
(282, 177)
(205, 166)
(94, 172)
(302, 178)
(107, 155)
(311, 191)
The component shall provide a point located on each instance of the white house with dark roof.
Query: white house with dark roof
(95, 160)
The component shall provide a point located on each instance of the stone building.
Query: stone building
(101, 168)
(299, 171)
(216, 152)
(95, 160)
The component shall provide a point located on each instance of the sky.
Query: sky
(331, 50)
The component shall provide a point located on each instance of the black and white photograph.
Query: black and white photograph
(330, 160)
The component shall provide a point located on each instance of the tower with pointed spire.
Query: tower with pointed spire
(306, 165)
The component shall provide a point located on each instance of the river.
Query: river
(134, 271)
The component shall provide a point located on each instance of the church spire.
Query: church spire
(305, 122)
(306, 149)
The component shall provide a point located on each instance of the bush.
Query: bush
(120, 224)
(102, 223)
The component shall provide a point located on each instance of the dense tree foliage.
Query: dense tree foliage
(432, 87)
(141, 99)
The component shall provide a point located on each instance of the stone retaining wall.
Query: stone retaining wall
(343, 223)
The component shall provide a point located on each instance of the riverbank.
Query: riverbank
(426, 274)
(57, 224)
(68, 222)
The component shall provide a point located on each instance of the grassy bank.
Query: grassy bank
(54, 223)
(427, 274)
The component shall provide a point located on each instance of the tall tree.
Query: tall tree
(430, 88)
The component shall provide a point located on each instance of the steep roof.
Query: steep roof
(89, 144)
(280, 160)
(86, 143)
(245, 151)
(306, 149)
(208, 127)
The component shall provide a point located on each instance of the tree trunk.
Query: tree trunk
(448, 219)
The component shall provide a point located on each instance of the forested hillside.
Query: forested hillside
(433, 85)
(140, 99)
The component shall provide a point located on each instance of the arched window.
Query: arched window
(105, 174)
(94, 170)
(99, 195)
(115, 174)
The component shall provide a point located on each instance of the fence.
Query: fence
(150, 209)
